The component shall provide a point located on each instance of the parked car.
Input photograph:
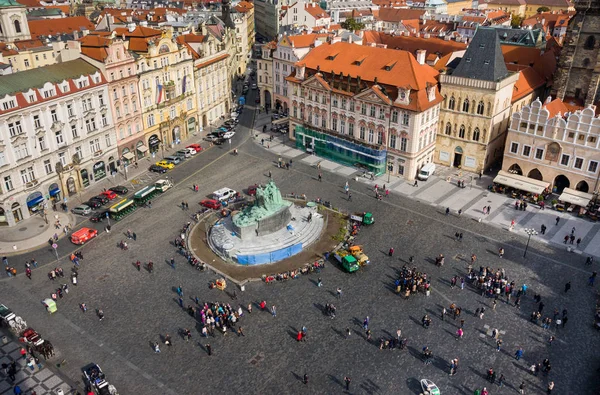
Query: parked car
(191, 151)
(110, 195)
(173, 159)
(167, 165)
(6, 314)
(101, 198)
(157, 169)
(98, 216)
(82, 209)
(254, 87)
(211, 203)
(119, 190)
(228, 135)
(94, 204)
(212, 138)
(83, 235)
(251, 191)
(196, 147)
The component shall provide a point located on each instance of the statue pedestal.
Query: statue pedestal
(266, 225)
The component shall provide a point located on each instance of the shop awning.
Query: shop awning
(142, 148)
(54, 192)
(520, 182)
(280, 121)
(128, 155)
(578, 198)
(35, 201)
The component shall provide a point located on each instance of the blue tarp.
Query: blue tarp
(274, 256)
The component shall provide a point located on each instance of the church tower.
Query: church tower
(225, 14)
(577, 76)
(13, 22)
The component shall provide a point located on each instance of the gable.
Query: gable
(371, 96)
(316, 83)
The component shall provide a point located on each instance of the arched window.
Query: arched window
(480, 108)
(489, 109)
(465, 106)
(476, 134)
(451, 103)
(448, 130)
(589, 42)
(18, 26)
(461, 132)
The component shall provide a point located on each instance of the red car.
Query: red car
(109, 194)
(211, 203)
(196, 147)
(251, 191)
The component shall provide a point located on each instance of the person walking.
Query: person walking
(347, 380)
(550, 387)
(208, 349)
(138, 264)
(567, 287)
(501, 252)
(339, 293)
(543, 229)
(519, 353)
(320, 177)
(349, 196)
(447, 210)
(522, 386)
(305, 378)
(501, 381)
(498, 345)
(557, 220)
(273, 311)
(592, 279)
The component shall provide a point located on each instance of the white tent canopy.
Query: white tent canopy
(578, 198)
(520, 182)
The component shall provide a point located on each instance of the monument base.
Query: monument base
(265, 226)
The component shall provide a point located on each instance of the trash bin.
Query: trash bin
(4, 340)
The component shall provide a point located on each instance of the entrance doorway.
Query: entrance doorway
(560, 183)
(458, 153)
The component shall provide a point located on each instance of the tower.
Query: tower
(225, 14)
(13, 22)
(576, 76)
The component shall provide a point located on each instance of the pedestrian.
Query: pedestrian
(572, 238)
(320, 177)
(522, 386)
(138, 264)
(592, 279)
(443, 314)
(28, 273)
(416, 184)
(180, 302)
(550, 340)
(567, 287)
(550, 387)
(578, 241)
(573, 230)
(459, 212)
(305, 379)
(240, 332)
(447, 210)
(134, 236)
(501, 252)
(459, 333)
(387, 193)
(273, 311)
(339, 293)
(501, 381)
(489, 209)
(208, 349)
(349, 197)
(460, 235)
(557, 219)
(319, 282)
(543, 229)
(519, 353)
(498, 345)
(347, 381)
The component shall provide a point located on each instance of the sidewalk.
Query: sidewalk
(441, 191)
(33, 233)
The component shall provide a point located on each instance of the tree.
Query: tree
(543, 9)
(516, 21)
(352, 25)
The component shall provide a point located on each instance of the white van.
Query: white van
(426, 171)
(224, 194)
(163, 185)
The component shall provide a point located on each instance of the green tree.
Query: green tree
(516, 21)
(543, 9)
(352, 25)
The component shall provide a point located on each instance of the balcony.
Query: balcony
(31, 184)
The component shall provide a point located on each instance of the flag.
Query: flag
(183, 85)
(159, 93)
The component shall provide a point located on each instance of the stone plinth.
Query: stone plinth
(266, 225)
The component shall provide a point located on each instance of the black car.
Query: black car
(94, 204)
(101, 198)
(119, 190)
(157, 169)
(98, 216)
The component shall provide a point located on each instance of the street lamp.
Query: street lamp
(530, 232)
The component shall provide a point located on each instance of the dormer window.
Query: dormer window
(8, 104)
(49, 93)
(31, 97)
(64, 87)
(84, 82)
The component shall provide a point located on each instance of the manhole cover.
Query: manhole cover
(23, 229)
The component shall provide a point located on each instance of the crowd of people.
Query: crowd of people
(412, 281)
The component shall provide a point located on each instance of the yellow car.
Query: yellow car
(165, 164)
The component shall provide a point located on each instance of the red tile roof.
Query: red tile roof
(555, 107)
(52, 27)
(529, 80)
(315, 11)
(399, 14)
(412, 44)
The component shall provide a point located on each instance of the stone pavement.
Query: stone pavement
(42, 381)
(441, 191)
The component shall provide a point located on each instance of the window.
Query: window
(480, 107)
(371, 135)
(103, 120)
(334, 102)
(123, 91)
(323, 99)
(403, 144)
(342, 126)
(48, 166)
(70, 110)
(90, 125)
(2, 159)
(578, 163)
(461, 132)
(126, 108)
(344, 103)
(27, 175)
(115, 94)
(118, 111)
(74, 131)
(589, 43)
(189, 104)
(593, 166)
(334, 124)
(17, 26)
(372, 112)
(59, 137)
(295, 112)
(465, 106)
(63, 158)
(405, 118)
(448, 130)
(451, 103)
(107, 138)
(379, 138)
(526, 150)
(392, 141)
(514, 148)
(395, 116)
(323, 121)
(351, 129)
(26, 62)
(539, 153)
(151, 120)
(8, 185)
(95, 145)
(363, 109)
(83, 83)
(382, 113)
(42, 143)
(7, 105)
(564, 160)
(134, 106)
(15, 129)
(361, 134)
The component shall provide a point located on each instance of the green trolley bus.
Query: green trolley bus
(145, 194)
(122, 209)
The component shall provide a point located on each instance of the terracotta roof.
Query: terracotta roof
(412, 44)
(551, 3)
(29, 44)
(389, 3)
(30, 3)
(7, 52)
(525, 56)
(506, 2)
(555, 107)
(52, 27)
(529, 80)
(305, 40)
(212, 61)
(63, 8)
(399, 14)
(476, 19)
(315, 11)
(391, 68)
(186, 39)
(244, 6)
(95, 47)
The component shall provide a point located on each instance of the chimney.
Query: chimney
(131, 27)
(84, 32)
(421, 56)
(75, 35)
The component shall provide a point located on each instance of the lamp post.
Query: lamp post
(530, 232)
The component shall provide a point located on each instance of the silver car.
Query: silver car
(82, 210)
(183, 153)
(173, 159)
